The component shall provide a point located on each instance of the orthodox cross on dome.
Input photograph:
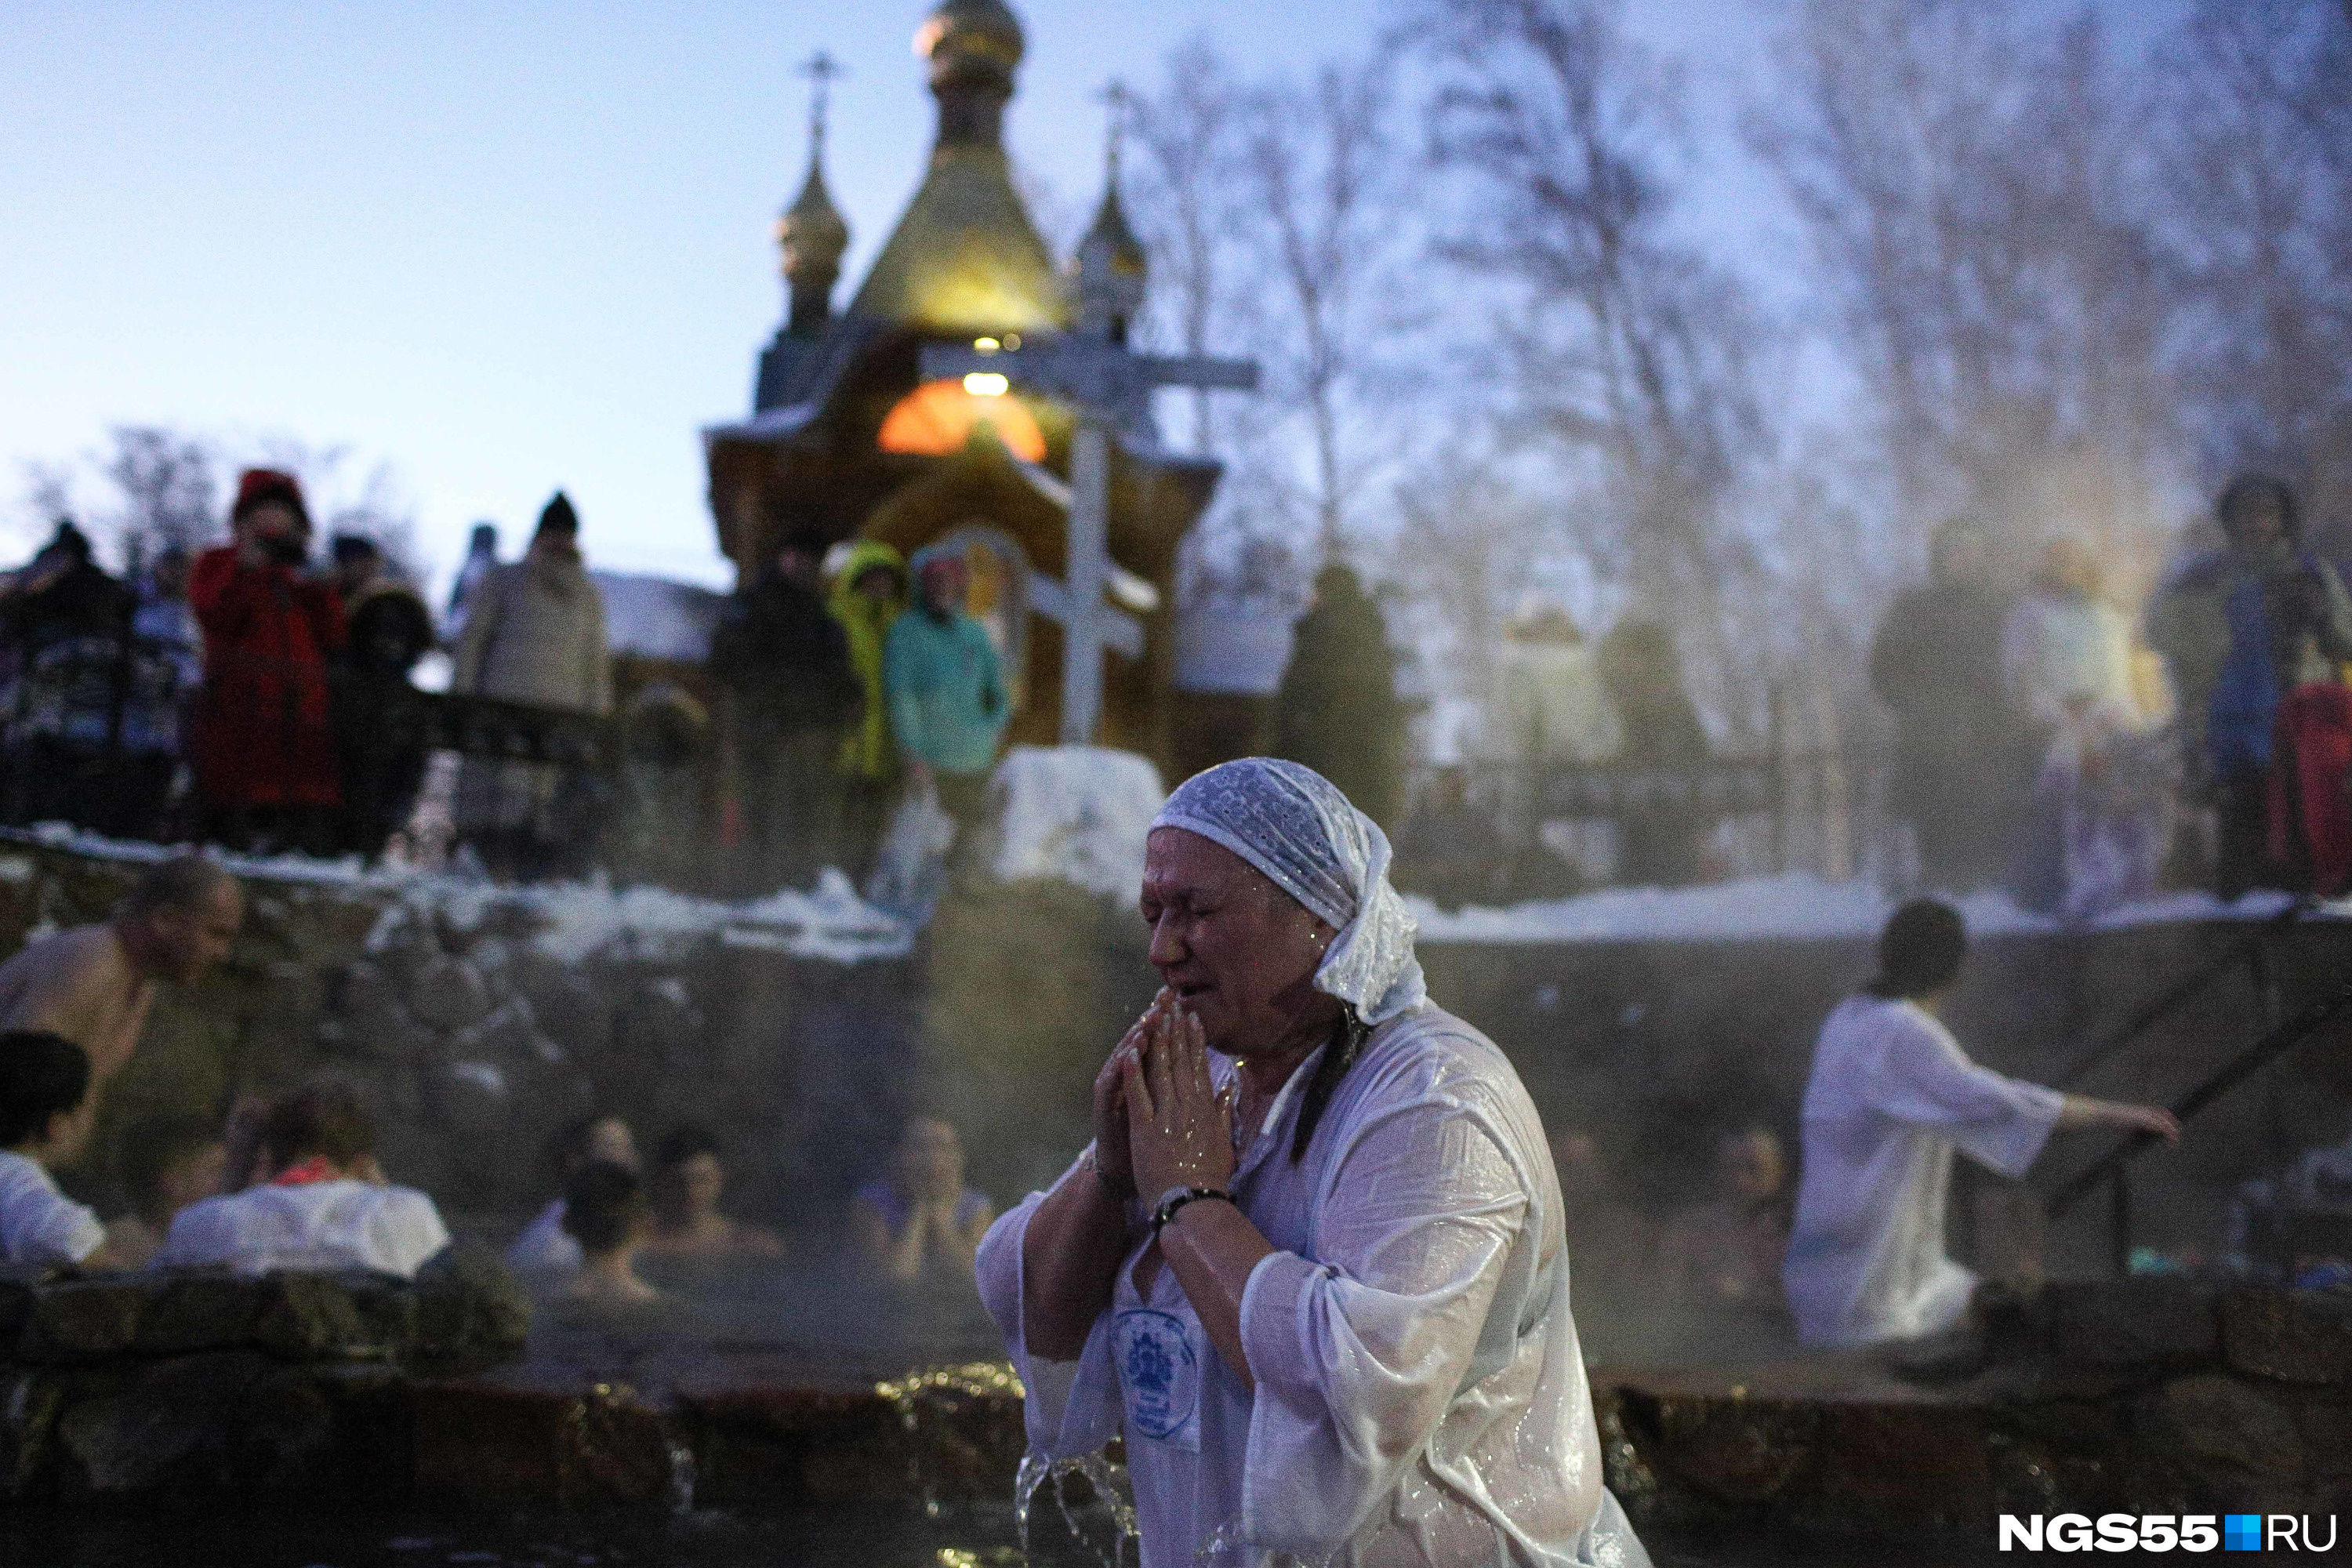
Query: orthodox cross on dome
(812, 232)
(1121, 102)
(820, 68)
(1110, 385)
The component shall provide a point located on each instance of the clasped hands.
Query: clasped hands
(1159, 1121)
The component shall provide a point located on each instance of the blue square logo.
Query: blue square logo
(2242, 1533)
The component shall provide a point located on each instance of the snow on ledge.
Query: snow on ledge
(1797, 907)
(576, 920)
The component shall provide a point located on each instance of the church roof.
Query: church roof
(965, 257)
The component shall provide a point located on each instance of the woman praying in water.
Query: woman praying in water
(922, 1218)
(1312, 1267)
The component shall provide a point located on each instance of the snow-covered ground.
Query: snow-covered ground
(1794, 907)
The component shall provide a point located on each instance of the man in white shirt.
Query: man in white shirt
(1892, 1095)
(46, 1116)
(325, 1203)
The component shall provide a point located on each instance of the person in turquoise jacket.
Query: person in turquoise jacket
(947, 707)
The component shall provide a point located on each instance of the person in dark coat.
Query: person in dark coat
(1337, 710)
(63, 622)
(1658, 843)
(1963, 753)
(785, 661)
(2252, 633)
(262, 747)
(379, 724)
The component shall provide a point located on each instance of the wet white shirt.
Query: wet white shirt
(320, 1225)
(1421, 1398)
(40, 1224)
(545, 1246)
(1892, 1095)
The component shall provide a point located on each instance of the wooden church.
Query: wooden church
(849, 437)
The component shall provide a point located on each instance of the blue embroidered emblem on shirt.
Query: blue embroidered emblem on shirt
(1158, 1370)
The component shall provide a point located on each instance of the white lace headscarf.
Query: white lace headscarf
(1294, 825)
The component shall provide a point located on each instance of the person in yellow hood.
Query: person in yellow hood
(869, 589)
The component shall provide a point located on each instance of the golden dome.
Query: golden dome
(964, 39)
(812, 232)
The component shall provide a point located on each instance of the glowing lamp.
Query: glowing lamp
(937, 417)
(986, 383)
(986, 345)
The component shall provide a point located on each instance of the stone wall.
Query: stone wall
(199, 1388)
(193, 1385)
(2148, 1396)
(475, 1034)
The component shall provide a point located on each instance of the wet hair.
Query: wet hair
(1921, 951)
(41, 1075)
(181, 882)
(152, 1148)
(569, 1149)
(602, 1203)
(682, 1143)
(324, 1119)
(2249, 486)
(1339, 1053)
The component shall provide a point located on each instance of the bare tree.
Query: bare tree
(1977, 207)
(1316, 160)
(376, 509)
(1182, 190)
(1492, 536)
(165, 479)
(1626, 351)
(2254, 113)
(49, 491)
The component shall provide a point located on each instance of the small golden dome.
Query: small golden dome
(812, 232)
(1110, 244)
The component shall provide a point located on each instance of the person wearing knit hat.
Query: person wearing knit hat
(260, 747)
(534, 634)
(559, 517)
(379, 739)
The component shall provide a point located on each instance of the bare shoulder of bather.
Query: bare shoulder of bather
(79, 983)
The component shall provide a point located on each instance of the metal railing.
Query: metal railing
(2112, 1169)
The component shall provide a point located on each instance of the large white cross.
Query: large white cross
(1110, 387)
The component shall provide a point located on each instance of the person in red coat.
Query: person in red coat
(261, 749)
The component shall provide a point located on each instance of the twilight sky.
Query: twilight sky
(513, 247)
